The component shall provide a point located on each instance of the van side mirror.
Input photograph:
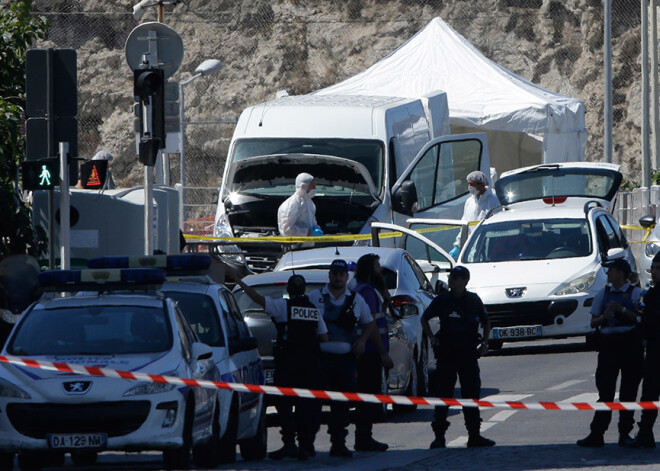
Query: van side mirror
(647, 221)
(404, 198)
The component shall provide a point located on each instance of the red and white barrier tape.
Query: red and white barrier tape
(318, 394)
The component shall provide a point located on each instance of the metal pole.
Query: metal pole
(50, 104)
(65, 208)
(646, 156)
(148, 210)
(607, 72)
(655, 120)
(182, 150)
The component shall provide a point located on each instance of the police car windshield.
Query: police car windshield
(529, 240)
(271, 291)
(93, 330)
(202, 316)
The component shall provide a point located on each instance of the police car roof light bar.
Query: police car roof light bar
(143, 279)
(185, 264)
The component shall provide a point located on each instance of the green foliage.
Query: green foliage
(18, 30)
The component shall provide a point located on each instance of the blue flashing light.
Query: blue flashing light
(173, 264)
(105, 279)
(59, 277)
(143, 275)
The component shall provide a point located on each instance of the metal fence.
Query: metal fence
(301, 46)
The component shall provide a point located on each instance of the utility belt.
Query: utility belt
(618, 339)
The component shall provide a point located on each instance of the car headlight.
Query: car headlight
(222, 227)
(651, 249)
(8, 389)
(151, 388)
(580, 284)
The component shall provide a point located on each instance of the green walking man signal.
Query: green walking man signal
(41, 174)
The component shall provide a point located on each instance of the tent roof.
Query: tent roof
(480, 92)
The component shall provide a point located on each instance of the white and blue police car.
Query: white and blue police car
(114, 319)
(215, 317)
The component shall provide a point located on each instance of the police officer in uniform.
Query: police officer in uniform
(651, 381)
(300, 329)
(614, 313)
(342, 311)
(456, 351)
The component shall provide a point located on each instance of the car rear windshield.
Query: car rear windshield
(93, 330)
(368, 153)
(202, 316)
(278, 290)
(529, 240)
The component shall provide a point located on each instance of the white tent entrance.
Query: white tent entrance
(526, 124)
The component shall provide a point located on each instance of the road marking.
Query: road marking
(566, 384)
(502, 416)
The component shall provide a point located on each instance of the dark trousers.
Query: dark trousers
(297, 369)
(338, 374)
(450, 365)
(369, 380)
(619, 353)
(650, 385)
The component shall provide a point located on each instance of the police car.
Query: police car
(114, 319)
(215, 317)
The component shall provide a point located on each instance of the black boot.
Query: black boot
(439, 429)
(593, 440)
(643, 439)
(476, 440)
(369, 444)
(287, 451)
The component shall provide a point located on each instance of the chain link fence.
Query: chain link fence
(299, 46)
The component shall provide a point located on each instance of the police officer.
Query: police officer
(456, 351)
(375, 359)
(614, 314)
(300, 328)
(651, 382)
(342, 311)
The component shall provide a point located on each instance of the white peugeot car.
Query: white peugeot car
(119, 321)
(214, 315)
(536, 261)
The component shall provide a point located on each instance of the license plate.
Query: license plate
(78, 440)
(503, 333)
(270, 376)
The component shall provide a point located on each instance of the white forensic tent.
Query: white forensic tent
(526, 124)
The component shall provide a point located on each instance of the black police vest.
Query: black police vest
(459, 321)
(302, 323)
(651, 315)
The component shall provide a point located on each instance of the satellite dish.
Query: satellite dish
(158, 44)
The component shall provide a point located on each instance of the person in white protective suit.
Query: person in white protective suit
(481, 200)
(297, 215)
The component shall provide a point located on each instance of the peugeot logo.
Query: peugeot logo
(515, 292)
(77, 387)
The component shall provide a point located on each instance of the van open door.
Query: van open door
(434, 185)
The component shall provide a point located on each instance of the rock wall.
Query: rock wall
(301, 46)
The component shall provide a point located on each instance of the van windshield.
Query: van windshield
(369, 153)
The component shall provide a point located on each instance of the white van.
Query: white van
(373, 158)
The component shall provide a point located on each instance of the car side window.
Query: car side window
(235, 312)
(607, 236)
(186, 344)
(419, 274)
(232, 328)
(617, 230)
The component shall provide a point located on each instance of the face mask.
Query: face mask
(473, 191)
(311, 193)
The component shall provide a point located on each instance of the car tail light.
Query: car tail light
(397, 301)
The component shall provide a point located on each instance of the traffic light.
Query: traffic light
(149, 92)
(41, 174)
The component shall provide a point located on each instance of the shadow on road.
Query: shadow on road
(527, 348)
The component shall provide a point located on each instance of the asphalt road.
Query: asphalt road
(560, 370)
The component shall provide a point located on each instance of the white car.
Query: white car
(411, 292)
(536, 261)
(125, 325)
(214, 315)
(650, 250)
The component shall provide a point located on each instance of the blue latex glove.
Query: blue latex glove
(316, 231)
(454, 253)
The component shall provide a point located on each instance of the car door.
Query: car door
(610, 236)
(439, 173)
(245, 359)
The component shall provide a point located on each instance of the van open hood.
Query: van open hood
(554, 182)
(282, 169)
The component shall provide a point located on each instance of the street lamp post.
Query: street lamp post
(207, 67)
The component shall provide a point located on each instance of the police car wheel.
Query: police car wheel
(254, 448)
(7, 461)
(178, 458)
(207, 454)
(227, 446)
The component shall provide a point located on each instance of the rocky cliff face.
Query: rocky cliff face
(301, 46)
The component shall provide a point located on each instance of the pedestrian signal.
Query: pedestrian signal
(93, 174)
(40, 174)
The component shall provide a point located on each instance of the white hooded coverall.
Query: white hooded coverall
(297, 215)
